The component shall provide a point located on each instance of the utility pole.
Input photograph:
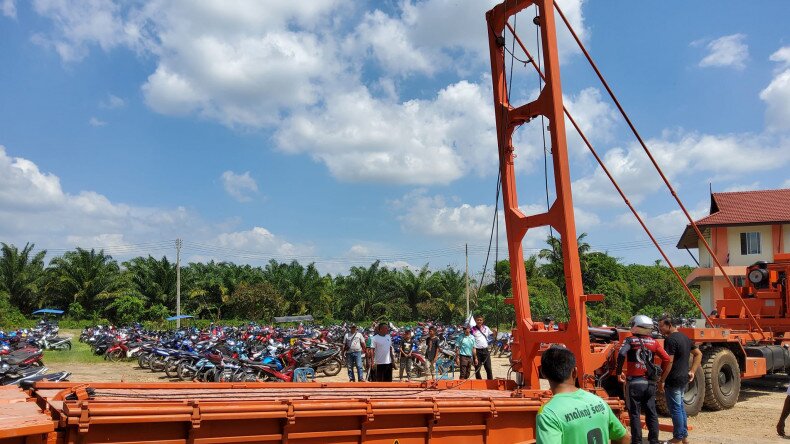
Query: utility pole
(178, 283)
(466, 249)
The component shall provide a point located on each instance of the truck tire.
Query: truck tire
(693, 398)
(722, 378)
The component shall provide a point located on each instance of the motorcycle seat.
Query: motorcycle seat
(324, 354)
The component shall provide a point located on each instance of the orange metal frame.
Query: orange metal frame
(528, 334)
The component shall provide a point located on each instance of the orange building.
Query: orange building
(743, 227)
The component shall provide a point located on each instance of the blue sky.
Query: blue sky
(341, 131)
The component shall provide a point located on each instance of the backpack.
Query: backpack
(652, 371)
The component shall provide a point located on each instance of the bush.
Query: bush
(11, 317)
(76, 311)
(126, 310)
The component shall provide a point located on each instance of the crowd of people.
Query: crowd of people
(470, 349)
(575, 416)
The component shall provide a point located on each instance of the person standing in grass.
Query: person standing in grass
(573, 415)
(467, 354)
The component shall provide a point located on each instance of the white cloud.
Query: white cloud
(261, 241)
(777, 94)
(35, 208)
(95, 121)
(398, 265)
(79, 25)
(239, 186)
(667, 224)
(9, 8)
(704, 157)
(412, 40)
(729, 50)
(786, 184)
(297, 66)
(437, 216)
(743, 187)
(112, 102)
(596, 118)
(358, 250)
(361, 138)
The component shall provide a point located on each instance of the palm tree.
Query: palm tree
(364, 289)
(554, 267)
(154, 280)
(84, 276)
(303, 287)
(414, 288)
(21, 274)
(451, 293)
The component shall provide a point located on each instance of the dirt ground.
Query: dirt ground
(752, 420)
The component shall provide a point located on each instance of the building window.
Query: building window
(750, 243)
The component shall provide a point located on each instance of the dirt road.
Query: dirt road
(753, 420)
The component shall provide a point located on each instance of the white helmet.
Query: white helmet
(642, 321)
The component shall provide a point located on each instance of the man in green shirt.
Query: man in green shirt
(573, 416)
(467, 355)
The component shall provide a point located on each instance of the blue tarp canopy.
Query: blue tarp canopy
(48, 311)
(175, 318)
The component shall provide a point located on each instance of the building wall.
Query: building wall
(786, 238)
(734, 242)
(704, 256)
(706, 296)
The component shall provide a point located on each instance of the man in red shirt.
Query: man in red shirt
(638, 352)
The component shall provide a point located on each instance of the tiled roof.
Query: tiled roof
(742, 208)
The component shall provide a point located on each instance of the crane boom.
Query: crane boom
(529, 335)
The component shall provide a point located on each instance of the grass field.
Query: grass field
(79, 353)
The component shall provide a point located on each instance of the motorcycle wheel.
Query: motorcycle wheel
(184, 372)
(157, 364)
(171, 369)
(250, 377)
(204, 374)
(115, 355)
(142, 360)
(417, 369)
(224, 375)
(332, 367)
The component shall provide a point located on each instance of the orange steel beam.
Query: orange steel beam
(605, 169)
(658, 168)
(560, 214)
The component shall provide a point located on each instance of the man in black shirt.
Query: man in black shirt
(431, 350)
(674, 381)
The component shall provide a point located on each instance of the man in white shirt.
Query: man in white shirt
(481, 332)
(382, 353)
(354, 347)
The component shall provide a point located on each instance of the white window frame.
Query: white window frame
(751, 243)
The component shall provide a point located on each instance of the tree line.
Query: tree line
(90, 284)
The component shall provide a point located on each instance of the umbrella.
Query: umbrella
(175, 318)
(48, 311)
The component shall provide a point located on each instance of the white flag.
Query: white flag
(470, 321)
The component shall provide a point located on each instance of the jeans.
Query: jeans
(354, 359)
(642, 399)
(677, 411)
